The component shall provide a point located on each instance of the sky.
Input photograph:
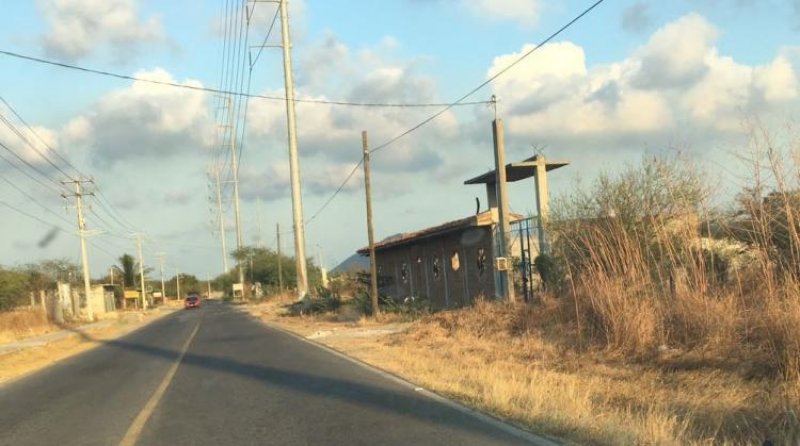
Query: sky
(632, 78)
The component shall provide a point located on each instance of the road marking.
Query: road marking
(135, 430)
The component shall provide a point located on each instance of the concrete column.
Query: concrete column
(491, 195)
(542, 203)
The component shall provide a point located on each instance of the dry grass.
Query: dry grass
(19, 324)
(523, 363)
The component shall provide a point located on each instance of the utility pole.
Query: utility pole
(323, 272)
(141, 269)
(280, 258)
(209, 285)
(294, 161)
(260, 242)
(235, 170)
(161, 263)
(111, 274)
(506, 277)
(79, 194)
(373, 264)
(221, 217)
(178, 283)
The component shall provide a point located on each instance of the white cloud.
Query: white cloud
(78, 28)
(522, 12)
(145, 120)
(333, 133)
(274, 182)
(676, 82)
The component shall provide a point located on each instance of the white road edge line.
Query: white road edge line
(135, 429)
(505, 426)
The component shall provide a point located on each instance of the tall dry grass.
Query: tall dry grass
(21, 323)
(522, 362)
(650, 269)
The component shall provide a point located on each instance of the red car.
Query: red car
(191, 301)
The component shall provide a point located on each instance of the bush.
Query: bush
(550, 271)
(13, 289)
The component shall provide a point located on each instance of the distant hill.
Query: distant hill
(352, 264)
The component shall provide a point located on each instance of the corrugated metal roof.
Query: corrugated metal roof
(486, 218)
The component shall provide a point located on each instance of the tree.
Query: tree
(261, 265)
(13, 289)
(128, 266)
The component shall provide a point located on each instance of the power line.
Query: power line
(39, 137)
(460, 101)
(108, 207)
(34, 200)
(11, 126)
(26, 173)
(266, 37)
(491, 79)
(233, 93)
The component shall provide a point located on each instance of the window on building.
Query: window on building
(455, 262)
(436, 268)
(481, 261)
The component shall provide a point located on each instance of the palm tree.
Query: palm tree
(128, 267)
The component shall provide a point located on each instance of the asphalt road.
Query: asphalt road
(216, 376)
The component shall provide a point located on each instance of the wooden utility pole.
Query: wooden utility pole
(280, 260)
(373, 264)
(504, 226)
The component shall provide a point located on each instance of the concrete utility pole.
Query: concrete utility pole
(235, 170)
(221, 217)
(141, 270)
(323, 272)
(79, 194)
(294, 161)
(161, 263)
(208, 277)
(373, 264)
(111, 274)
(280, 259)
(178, 283)
(506, 277)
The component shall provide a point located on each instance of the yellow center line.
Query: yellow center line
(135, 430)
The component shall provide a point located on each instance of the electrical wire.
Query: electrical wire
(266, 37)
(233, 93)
(459, 101)
(39, 137)
(34, 200)
(58, 191)
(107, 207)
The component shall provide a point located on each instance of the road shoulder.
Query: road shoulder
(22, 358)
(353, 342)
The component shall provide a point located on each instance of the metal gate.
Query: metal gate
(524, 249)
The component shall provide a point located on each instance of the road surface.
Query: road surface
(216, 376)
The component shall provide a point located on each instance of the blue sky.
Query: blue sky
(633, 77)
